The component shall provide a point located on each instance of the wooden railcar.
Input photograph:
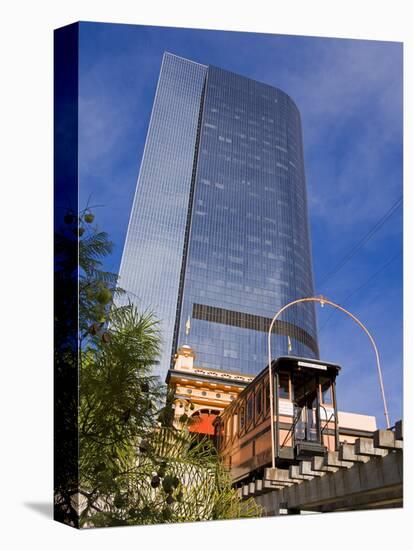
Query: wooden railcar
(304, 416)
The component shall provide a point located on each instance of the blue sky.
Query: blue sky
(349, 93)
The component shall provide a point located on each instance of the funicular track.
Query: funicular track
(364, 475)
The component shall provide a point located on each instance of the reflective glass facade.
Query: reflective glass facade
(220, 219)
(152, 257)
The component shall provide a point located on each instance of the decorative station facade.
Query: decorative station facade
(200, 393)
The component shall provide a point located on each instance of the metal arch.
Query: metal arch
(322, 300)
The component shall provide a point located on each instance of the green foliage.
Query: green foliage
(175, 477)
(113, 407)
(134, 466)
(66, 371)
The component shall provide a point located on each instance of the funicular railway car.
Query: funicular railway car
(304, 415)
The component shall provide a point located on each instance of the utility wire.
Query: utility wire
(363, 240)
(360, 287)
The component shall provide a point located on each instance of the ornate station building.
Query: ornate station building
(201, 393)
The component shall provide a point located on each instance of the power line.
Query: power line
(361, 287)
(363, 240)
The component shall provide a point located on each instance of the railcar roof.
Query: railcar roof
(291, 362)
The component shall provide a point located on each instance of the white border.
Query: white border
(26, 330)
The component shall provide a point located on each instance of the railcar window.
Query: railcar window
(241, 418)
(218, 434)
(228, 429)
(327, 393)
(250, 408)
(258, 401)
(284, 386)
(267, 397)
(222, 435)
(235, 424)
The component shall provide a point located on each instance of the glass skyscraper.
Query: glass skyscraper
(218, 233)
